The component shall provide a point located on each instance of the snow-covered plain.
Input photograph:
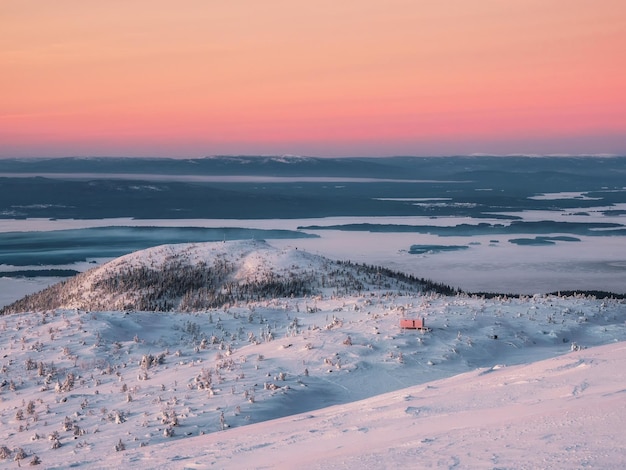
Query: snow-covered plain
(323, 381)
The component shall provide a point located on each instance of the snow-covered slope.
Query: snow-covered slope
(276, 382)
(566, 412)
(197, 276)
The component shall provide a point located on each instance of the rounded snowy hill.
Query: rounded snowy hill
(198, 276)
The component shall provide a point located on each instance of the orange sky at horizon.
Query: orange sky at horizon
(365, 77)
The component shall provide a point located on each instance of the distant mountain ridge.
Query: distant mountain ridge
(403, 167)
(285, 166)
(290, 187)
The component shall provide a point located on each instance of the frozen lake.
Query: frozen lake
(507, 225)
(489, 264)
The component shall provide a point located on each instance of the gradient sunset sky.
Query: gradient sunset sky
(325, 77)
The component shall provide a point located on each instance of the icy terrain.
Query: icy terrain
(326, 379)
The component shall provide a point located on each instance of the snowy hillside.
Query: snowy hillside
(197, 276)
(276, 381)
(566, 412)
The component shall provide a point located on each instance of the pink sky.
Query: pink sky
(353, 77)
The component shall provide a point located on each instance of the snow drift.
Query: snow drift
(565, 412)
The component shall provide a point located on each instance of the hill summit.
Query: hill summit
(198, 276)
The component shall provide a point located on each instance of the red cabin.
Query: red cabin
(417, 324)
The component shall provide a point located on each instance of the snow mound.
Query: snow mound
(197, 276)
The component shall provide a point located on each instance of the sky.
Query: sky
(324, 78)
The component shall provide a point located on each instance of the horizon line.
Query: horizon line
(298, 156)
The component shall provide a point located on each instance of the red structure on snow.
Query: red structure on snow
(417, 324)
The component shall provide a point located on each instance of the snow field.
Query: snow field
(77, 384)
(313, 381)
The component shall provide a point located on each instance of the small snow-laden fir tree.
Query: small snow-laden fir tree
(20, 454)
